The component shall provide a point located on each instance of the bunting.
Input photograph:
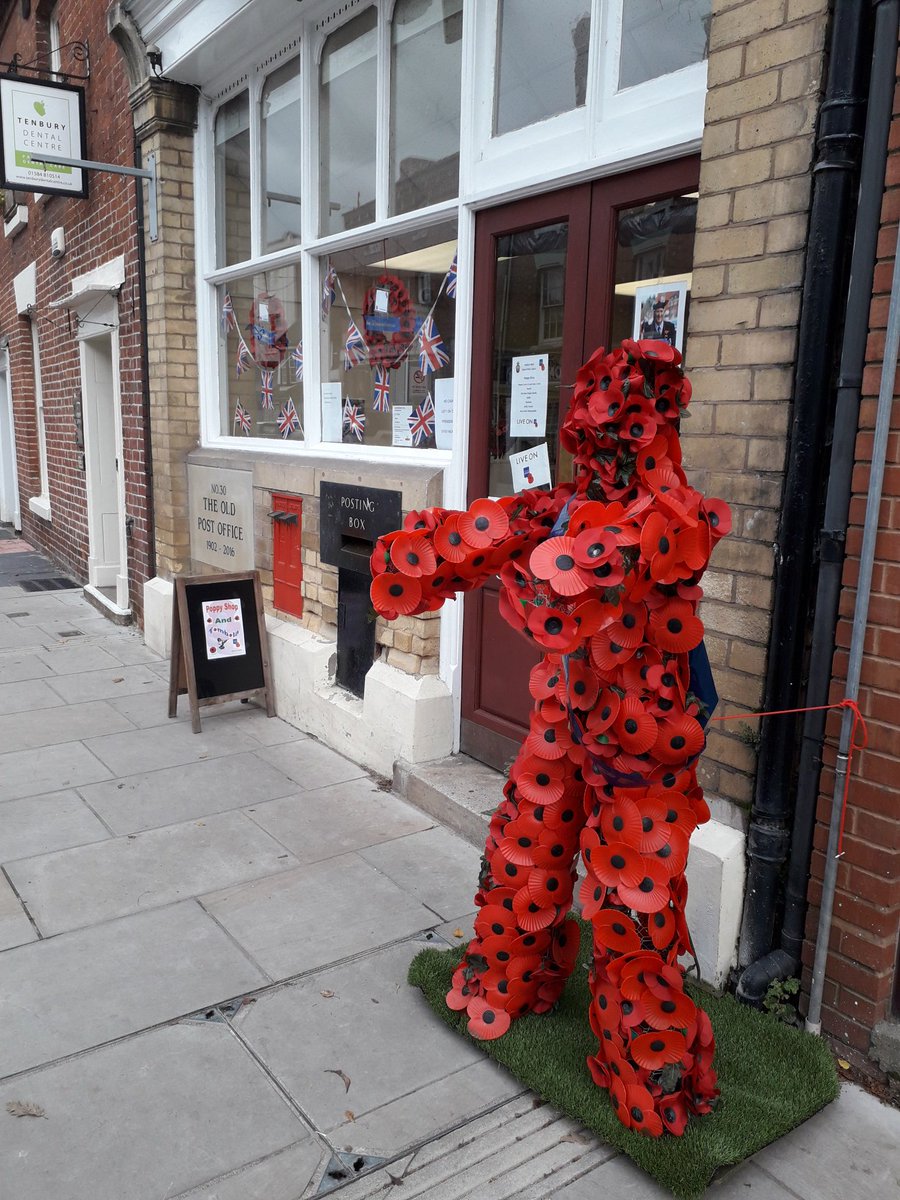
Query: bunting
(226, 317)
(354, 347)
(288, 420)
(243, 358)
(451, 280)
(328, 291)
(242, 418)
(432, 355)
(355, 420)
(266, 397)
(421, 421)
(381, 401)
(297, 356)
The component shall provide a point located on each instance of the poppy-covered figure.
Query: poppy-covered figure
(603, 574)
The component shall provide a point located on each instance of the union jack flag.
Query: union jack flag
(328, 292)
(421, 422)
(451, 280)
(382, 397)
(266, 398)
(355, 420)
(288, 420)
(226, 317)
(243, 359)
(432, 355)
(297, 356)
(242, 418)
(354, 347)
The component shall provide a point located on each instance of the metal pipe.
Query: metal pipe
(857, 637)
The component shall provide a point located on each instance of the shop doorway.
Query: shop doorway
(555, 276)
(107, 556)
(9, 479)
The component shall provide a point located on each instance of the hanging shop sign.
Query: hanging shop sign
(37, 119)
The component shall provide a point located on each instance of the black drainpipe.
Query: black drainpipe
(785, 961)
(145, 362)
(841, 120)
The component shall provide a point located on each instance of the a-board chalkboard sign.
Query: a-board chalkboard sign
(219, 646)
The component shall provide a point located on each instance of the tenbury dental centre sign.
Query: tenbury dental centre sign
(35, 119)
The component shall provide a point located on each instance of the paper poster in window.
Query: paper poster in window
(659, 313)
(529, 378)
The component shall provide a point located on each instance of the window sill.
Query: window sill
(17, 221)
(40, 506)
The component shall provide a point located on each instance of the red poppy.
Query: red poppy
(578, 686)
(604, 712)
(449, 541)
(506, 873)
(412, 554)
(527, 966)
(635, 728)
(551, 628)
(616, 931)
(588, 616)
(395, 593)
(512, 611)
(673, 855)
(563, 817)
(517, 848)
(460, 994)
(655, 1050)
(650, 892)
(616, 863)
(672, 1011)
(591, 896)
(493, 920)
(531, 944)
(565, 945)
(675, 628)
(485, 522)
(426, 518)
(593, 546)
(530, 915)
(486, 1022)
(661, 926)
(717, 515)
(554, 561)
(476, 565)
(621, 821)
(628, 627)
(545, 677)
(638, 424)
(497, 949)
(655, 455)
(654, 829)
(678, 810)
(608, 656)
(547, 740)
(543, 784)
(673, 1111)
(594, 514)
(642, 1117)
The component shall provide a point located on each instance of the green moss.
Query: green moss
(772, 1077)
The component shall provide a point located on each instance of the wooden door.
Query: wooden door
(545, 285)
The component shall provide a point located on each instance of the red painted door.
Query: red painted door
(555, 276)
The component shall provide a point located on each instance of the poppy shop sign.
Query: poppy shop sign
(35, 119)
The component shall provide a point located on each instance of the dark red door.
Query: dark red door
(555, 276)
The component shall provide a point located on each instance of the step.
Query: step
(457, 791)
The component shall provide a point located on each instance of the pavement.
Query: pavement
(203, 950)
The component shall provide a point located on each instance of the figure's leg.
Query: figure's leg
(525, 943)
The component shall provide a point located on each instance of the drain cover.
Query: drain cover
(21, 614)
(345, 1166)
(70, 633)
(57, 584)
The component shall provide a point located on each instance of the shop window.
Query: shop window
(654, 254)
(233, 181)
(280, 124)
(388, 341)
(542, 60)
(348, 124)
(261, 355)
(661, 36)
(425, 102)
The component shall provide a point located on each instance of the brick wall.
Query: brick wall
(97, 230)
(862, 961)
(765, 74)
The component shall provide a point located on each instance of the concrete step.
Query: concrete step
(457, 791)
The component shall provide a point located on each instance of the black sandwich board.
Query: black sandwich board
(219, 647)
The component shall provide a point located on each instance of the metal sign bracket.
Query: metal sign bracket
(148, 173)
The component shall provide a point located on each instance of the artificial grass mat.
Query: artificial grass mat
(772, 1076)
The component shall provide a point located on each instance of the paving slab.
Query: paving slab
(127, 647)
(67, 659)
(69, 723)
(12, 637)
(26, 695)
(168, 746)
(144, 1119)
(108, 684)
(318, 914)
(303, 1037)
(851, 1148)
(24, 773)
(87, 884)
(43, 608)
(282, 1176)
(176, 794)
(333, 820)
(42, 824)
(437, 867)
(311, 764)
(15, 928)
(81, 989)
(16, 665)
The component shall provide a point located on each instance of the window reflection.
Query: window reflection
(542, 60)
(660, 36)
(280, 119)
(233, 181)
(425, 99)
(347, 124)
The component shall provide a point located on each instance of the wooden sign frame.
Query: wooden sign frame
(189, 593)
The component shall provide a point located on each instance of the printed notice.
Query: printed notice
(401, 434)
(528, 403)
(530, 468)
(332, 413)
(443, 414)
(223, 623)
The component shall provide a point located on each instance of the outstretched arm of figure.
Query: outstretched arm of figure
(440, 552)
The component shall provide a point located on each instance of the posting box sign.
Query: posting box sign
(36, 119)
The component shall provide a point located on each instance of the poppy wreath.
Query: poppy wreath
(389, 349)
(603, 574)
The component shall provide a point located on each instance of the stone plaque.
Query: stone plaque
(220, 502)
(351, 519)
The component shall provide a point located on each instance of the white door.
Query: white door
(9, 479)
(106, 518)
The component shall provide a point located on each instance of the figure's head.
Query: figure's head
(623, 417)
(659, 308)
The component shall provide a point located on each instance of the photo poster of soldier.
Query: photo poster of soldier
(223, 624)
(659, 313)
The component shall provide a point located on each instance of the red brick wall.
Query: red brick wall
(97, 229)
(864, 939)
